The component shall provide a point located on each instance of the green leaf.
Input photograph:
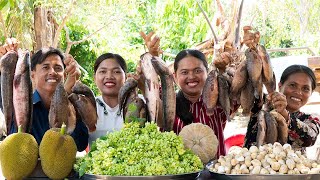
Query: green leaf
(3, 3)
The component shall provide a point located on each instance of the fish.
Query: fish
(270, 85)
(72, 117)
(139, 104)
(254, 68)
(131, 97)
(272, 131)
(210, 92)
(129, 85)
(85, 109)
(80, 88)
(59, 111)
(224, 95)
(267, 72)
(282, 127)
(239, 79)
(262, 128)
(152, 85)
(247, 98)
(168, 94)
(22, 92)
(8, 65)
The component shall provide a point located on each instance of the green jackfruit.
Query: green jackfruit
(18, 155)
(57, 153)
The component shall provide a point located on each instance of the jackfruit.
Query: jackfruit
(57, 153)
(18, 155)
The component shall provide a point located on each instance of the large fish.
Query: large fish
(239, 79)
(254, 67)
(272, 131)
(224, 95)
(210, 92)
(22, 92)
(72, 117)
(262, 128)
(247, 98)
(125, 91)
(80, 88)
(85, 109)
(152, 94)
(138, 103)
(167, 93)
(8, 65)
(59, 110)
(282, 127)
(267, 72)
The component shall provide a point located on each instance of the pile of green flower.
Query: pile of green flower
(135, 151)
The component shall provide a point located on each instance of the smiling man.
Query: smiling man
(48, 68)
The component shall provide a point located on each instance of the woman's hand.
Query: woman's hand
(138, 76)
(152, 43)
(279, 102)
(72, 72)
(222, 62)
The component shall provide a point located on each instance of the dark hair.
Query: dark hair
(116, 57)
(183, 108)
(190, 52)
(42, 54)
(182, 103)
(298, 69)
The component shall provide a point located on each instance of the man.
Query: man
(48, 68)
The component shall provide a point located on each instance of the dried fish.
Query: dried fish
(8, 65)
(210, 92)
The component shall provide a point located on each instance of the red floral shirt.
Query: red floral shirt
(217, 122)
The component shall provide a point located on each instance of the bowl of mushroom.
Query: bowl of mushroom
(270, 161)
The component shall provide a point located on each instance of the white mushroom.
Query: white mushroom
(283, 169)
(275, 165)
(256, 170)
(221, 169)
(255, 162)
(290, 163)
(264, 171)
(253, 149)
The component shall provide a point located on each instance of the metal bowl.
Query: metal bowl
(220, 176)
(164, 177)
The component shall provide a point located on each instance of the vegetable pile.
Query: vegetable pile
(267, 159)
(135, 151)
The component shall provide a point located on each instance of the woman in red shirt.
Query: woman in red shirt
(190, 74)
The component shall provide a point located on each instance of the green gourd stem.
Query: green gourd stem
(63, 129)
(20, 129)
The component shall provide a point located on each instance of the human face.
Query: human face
(190, 76)
(297, 88)
(109, 78)
(48, 74)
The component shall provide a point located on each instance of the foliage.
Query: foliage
(135, 151)
(83, 53)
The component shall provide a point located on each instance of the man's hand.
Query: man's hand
(72, 72)
(153, 44)
(11, 44)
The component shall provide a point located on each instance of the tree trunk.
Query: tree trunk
(44, 29)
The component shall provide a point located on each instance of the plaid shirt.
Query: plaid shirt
(217, 122)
